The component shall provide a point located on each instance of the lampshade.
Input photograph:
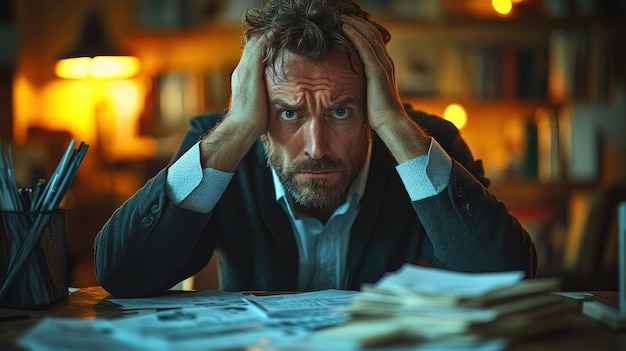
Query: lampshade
(95, 56)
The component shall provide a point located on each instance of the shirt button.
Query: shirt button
(459, 192)
(147, 221)
(155, 209)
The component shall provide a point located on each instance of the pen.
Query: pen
(26, 197)
(37, 192)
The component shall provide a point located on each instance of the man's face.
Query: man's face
(317, 136)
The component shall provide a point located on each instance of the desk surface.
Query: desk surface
(585, 334)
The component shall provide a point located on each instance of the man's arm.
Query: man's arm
(472, 231)
(147, 245)
(448, 191)
(469, 228)
(150, 243)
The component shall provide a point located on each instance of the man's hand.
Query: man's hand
(247, 116)
(386, 114)
(248, 103)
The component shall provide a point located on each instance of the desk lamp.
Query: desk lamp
(95, 57)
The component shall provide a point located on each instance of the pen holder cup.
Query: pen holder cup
(41, 279)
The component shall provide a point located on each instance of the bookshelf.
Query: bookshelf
(544, 60)
(532, 67)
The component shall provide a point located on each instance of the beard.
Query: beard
(316, 193)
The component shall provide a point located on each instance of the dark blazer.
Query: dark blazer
(150, 244)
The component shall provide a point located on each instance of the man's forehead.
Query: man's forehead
(288, 64)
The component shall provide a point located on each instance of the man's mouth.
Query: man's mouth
(319, 174)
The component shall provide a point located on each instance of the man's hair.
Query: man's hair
(308, 28)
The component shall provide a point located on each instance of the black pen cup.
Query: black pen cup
(33, 276)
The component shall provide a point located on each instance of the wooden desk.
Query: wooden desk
(85, 303)
(586, 334)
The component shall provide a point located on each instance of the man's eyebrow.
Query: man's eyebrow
(283, 104)
(287, 106)
(342, 103)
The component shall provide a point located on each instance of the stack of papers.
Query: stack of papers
(429, 305)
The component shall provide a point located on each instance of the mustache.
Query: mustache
(316, 165)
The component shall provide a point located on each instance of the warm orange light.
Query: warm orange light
(99, 67)
(67, 104)
(121, 127)
(502, 7)
(456, 114)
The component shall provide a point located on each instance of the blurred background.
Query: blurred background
(538, 88)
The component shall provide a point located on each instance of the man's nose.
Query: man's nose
(316, 143)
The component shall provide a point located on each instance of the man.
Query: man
(316, 177)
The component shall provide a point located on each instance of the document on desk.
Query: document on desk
(208, 320)
(445, 283)
(182, 299)
(190, 328)
(323, 300)
(305, 311)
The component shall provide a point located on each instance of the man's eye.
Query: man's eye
(341, 113)
(288, 115)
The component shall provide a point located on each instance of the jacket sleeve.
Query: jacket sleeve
(471, 230)
(468, 228)
(149, 244)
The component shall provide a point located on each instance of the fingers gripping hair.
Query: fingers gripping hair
(306, 27)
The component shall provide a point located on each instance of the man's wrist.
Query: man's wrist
(225, 146)
(404, 138)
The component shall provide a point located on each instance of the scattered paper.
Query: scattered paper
(52, 333)
(439, 309)
(324, 300)
(95, 335)
(433, 281)
(179, 300)
(187, 322)
(305, 311)
(202, 320)
(583, 296)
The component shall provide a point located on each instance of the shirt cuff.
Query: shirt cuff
(426, 175)
(193, 188)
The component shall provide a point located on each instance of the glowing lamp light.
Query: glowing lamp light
(456, 114)
(502, 7)
(107, 69)
(99, 67)
(95, 56)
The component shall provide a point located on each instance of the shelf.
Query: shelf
(526, 61)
